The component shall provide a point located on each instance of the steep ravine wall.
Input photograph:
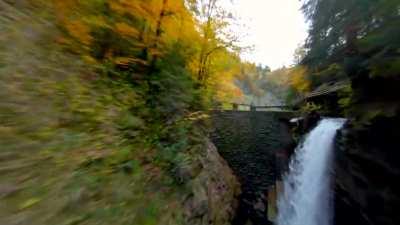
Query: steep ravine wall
(214, 191)
(367, 173)
(254, 145)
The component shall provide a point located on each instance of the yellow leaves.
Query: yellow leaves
(228, 92)
(29, 203)
(177, 24)
(176, 6)
(75, 27)
(299, 80)
(133, 27)
(96, 21)
(223, 83)
(182, 27)
(126, 6)
(126, 30)
(89, 60)
(80, 31)
(148, 10)
(63, 8)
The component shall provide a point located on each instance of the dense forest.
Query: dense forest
(100, 110)
(104, 110)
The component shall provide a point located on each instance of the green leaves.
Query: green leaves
(129, 121)
(358, 40)
(385, 67)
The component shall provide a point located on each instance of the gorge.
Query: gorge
(331, 180)
(148, 112)
(307, 196)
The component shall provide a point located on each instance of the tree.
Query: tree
(356, 39)
(339, 28)
(213, 22)
(299, 54)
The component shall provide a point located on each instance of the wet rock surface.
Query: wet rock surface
(367, 173)
(251, 143)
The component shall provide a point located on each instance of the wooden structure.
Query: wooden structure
(323, 91)
(329, 88)
(327, 91)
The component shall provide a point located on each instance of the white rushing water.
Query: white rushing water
(307, 194)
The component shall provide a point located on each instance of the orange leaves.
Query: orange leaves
(227, 91)
(126, 30)
(80, 31)
(238, 93)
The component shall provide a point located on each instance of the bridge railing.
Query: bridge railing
(249, 107)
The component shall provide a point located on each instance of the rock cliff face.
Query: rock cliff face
(215, 192)
(368, 172)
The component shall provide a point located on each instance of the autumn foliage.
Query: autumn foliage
(135, 34)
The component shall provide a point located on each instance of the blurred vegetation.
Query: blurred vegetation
(101, 99)
(310, 107)
(100, 106)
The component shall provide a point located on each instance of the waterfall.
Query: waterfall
(307, 194)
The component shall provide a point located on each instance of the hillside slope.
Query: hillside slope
(76, 146)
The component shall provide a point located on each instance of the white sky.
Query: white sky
(274, 28)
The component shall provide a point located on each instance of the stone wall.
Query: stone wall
(253, 143)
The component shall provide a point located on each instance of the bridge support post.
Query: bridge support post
(235, 106)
